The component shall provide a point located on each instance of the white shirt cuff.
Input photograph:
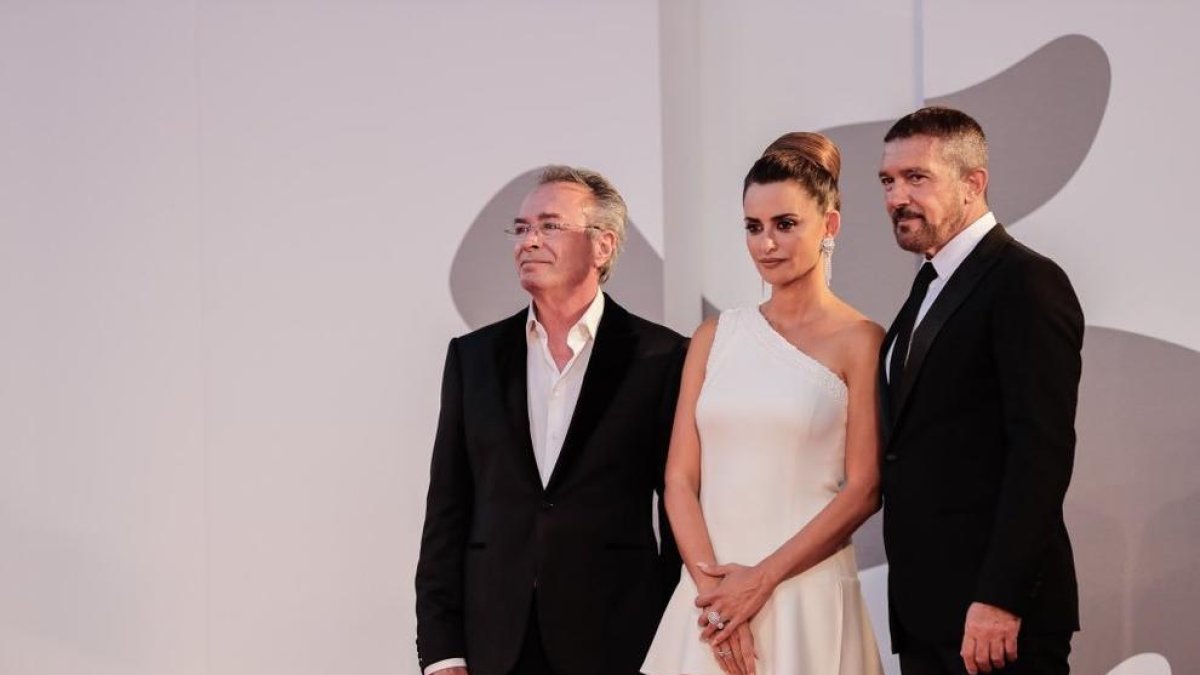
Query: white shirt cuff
(444, 664)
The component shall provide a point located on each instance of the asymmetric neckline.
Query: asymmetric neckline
(786, 348)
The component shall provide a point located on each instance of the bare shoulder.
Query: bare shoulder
(857, 331)
(864, 332)
(859, 339)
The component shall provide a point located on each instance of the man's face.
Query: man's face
(566, 257)
(925, 195)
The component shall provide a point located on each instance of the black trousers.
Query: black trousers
(532, 659)
(1044, 654)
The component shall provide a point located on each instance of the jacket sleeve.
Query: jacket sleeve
(1037, 333)
(448, 508)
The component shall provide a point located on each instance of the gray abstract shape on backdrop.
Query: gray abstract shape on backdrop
(483, 277)
(1133, 504)
(869, 271)
(868, 543)
(1041, 116)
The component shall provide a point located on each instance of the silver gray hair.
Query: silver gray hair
(607, 212)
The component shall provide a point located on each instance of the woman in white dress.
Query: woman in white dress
(774, 455)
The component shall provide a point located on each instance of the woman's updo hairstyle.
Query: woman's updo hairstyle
(809, 158)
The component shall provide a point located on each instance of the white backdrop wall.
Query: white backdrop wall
(103, 490)
(226, 231)
(226, 235)
(771, 66)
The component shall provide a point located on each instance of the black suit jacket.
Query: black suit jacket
(492, 532)
(979, 450)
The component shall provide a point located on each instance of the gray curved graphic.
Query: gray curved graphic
(1133, 506)
(483, 277)
(1041, 117)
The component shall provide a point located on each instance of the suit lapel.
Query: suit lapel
(511, 355)
(612, 352)
(964, 280)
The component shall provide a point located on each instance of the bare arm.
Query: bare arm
(682, 492)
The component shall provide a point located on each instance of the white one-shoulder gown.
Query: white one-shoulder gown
(772, 424)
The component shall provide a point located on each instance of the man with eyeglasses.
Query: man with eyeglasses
(538, 554)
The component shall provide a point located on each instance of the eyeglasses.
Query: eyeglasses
(547, 229)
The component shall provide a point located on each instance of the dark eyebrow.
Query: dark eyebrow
(785, 215)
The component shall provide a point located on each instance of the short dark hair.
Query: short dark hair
(809, 158)
(964, 142)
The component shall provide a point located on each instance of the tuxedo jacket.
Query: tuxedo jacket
(979, 448)
(586, 541)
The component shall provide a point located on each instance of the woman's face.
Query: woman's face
(784, 229)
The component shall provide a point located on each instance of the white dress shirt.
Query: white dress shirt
(552, 398)
(554, 393)
(945, 263)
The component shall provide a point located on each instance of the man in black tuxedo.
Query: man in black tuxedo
(538, 554)
(980, 377)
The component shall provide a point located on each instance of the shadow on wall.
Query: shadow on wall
(1135, 499)
(483, 276)
(1041, 117)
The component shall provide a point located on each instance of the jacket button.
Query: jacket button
(891, 457)
(546, 506)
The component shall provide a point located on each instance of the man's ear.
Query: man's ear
(604, 244)
(977, 182)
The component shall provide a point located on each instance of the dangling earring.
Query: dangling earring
(827, 246)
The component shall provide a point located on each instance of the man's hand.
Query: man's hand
(742, 592)
(989, 638)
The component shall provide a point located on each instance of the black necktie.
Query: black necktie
(904, 329)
